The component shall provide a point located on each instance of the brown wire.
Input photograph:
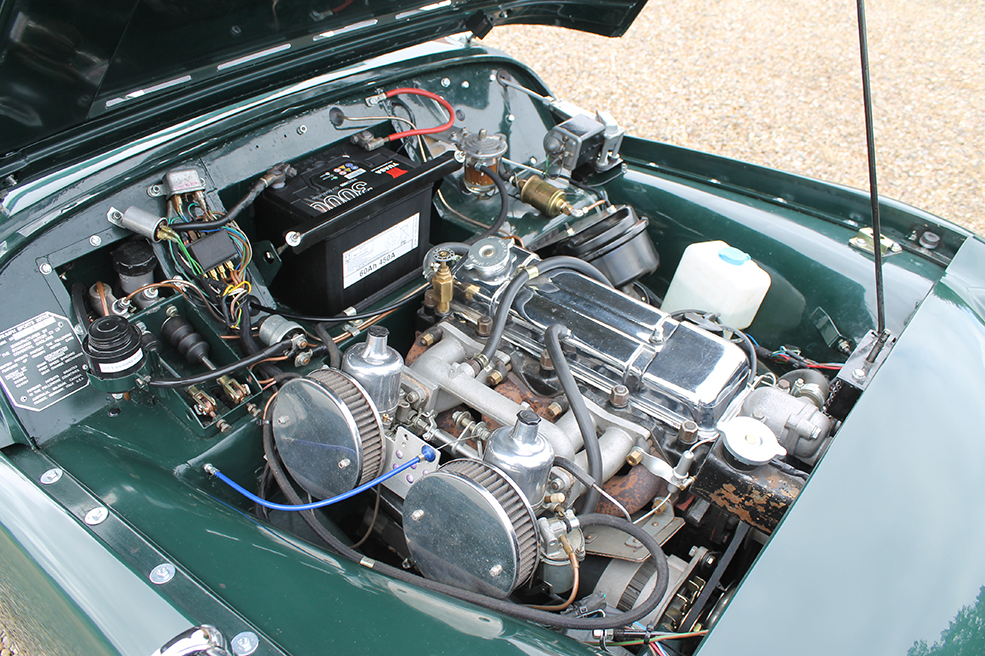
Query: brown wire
(574, 587)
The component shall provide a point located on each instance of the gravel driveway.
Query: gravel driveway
(777, 82)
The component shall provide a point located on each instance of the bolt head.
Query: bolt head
(495, 570)
(162, 574)
(417, 515)
(51, 476)
(293, 238)
(245, 643)
(344, 463)
(858, 374)
(45, 268)
(282, 420)
(95, 240)
(96, 516)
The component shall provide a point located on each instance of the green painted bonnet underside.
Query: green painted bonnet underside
(76, 67)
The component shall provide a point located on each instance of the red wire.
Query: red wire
(427, 94)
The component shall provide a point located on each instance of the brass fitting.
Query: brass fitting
(634, 458)
(541, 195)
(495, 378)
(554, 410)
(443, 286)
(233, 389)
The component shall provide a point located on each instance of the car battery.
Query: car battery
(354, 222)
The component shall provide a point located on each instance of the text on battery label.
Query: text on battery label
(376, 252)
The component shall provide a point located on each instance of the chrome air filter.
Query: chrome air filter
(468, 525)
(328, 433)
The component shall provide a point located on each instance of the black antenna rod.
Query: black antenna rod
(870, 141)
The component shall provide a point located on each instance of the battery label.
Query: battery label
(376, 252)
(41, 362)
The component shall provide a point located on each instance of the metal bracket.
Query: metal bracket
(865, 242)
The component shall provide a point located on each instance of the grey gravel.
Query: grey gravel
(777, 82)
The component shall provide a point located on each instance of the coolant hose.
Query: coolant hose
(521, 278)
(552, 338)
(498, 605)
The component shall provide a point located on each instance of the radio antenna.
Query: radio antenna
(870, 142)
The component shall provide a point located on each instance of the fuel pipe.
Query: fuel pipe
(498, 605)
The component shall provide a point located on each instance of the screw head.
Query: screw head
(45, 268)
(302, 129)
(495, 570)
(162, 574)
(858, 374)
(51, 476)
(96, 516)
(417, 514)
(95, 240)
(282, 420)
(344, 463)
(445, 82)
(293, 238)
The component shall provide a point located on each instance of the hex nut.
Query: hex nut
(619, 396)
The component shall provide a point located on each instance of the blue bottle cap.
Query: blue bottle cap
(733, 255)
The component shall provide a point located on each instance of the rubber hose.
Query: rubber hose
(334, 353)
(502, 312)
(269, 352)
(498, 605)
(504, 205)
(572, 468)
(78, 304)
(552, 338)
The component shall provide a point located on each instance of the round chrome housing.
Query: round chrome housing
(328, 432)
(468, 525)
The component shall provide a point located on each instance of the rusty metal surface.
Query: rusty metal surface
(759, 497)
(633, 491)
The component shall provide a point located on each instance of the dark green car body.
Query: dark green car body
(881, 550)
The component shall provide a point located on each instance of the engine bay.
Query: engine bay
(458, 334)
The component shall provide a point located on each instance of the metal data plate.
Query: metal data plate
(605, 541)
(403, 447)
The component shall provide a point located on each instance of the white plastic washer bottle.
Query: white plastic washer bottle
(716, 277)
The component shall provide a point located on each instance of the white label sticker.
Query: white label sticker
(376, 252)
(122, 365)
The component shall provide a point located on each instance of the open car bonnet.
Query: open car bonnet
(69, 65)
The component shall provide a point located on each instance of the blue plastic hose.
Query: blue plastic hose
(427, 454)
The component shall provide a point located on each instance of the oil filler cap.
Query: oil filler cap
(751, 442)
